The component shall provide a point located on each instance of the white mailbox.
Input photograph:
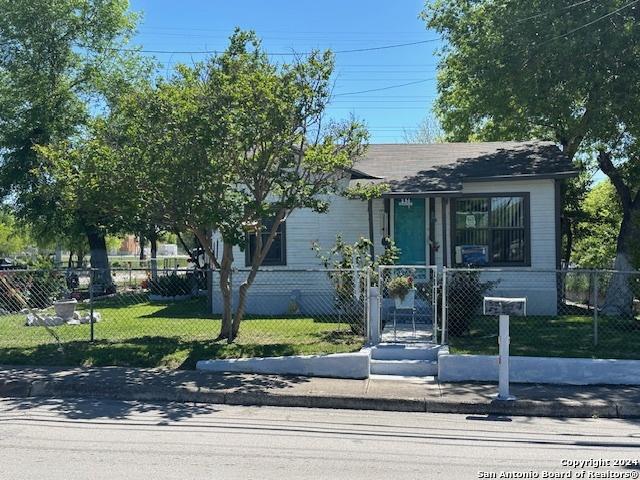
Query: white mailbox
(505, 306)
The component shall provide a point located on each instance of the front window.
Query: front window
(277, 254)
(491, 230)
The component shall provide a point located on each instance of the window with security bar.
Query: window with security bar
(491, 230)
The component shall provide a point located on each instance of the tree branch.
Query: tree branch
(610, 170)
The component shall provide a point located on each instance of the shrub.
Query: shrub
(170, 286)
(342, 259)
(398, 287)
(465, 293)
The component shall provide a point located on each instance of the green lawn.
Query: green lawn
(563, 336)
(133, 332)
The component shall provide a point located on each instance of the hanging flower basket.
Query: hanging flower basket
(402, 290)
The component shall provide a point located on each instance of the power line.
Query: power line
(588, 24)
(544, 14)
(215, 52)
(388, 87)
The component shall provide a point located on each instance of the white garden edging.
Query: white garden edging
(563, 371)
(338, 365)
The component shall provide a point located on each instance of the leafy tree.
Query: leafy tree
(229, 144)
(284, 156)
(595, 245)
(14, 238)
(58, 64)
(514, 69)
(85, 194)
(429, 131)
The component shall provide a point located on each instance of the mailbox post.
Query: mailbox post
(504, 307)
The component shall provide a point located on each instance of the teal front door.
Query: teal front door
(409, 230)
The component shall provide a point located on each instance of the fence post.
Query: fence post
(444, 320)
(367, 304)
(434, 303)
(374, 315)
(503, 359)
(595, 308)
(230, 280)
(91, 334)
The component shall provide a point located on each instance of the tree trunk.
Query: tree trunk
(568, 248)
(153, 242)
(226, 291)
(242, 302)
(142, 243)
(261, 249)
(80, 258)
(99, 260)
(619, 297)
(70, 261)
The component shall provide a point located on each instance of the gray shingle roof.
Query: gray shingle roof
(444, 166)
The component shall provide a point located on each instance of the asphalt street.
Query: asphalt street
(87, 439)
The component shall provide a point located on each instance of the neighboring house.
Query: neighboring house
(494, 204)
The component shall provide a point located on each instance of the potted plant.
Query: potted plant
(403, 291)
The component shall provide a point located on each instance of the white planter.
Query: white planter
(407, 302)
(65, 308)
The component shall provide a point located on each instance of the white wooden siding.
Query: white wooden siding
(350, 218)
(304, 227)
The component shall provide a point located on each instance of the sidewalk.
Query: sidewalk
(377, 393)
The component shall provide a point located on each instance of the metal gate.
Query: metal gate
(408, 303)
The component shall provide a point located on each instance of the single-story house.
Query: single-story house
(492, 204)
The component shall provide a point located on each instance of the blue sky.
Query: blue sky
(287, 25)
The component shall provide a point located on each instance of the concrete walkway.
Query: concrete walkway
(376, 393)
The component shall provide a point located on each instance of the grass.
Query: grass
(562, 336)
(142, 334)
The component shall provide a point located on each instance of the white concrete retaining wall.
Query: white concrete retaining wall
(564, 371)
(338, 365)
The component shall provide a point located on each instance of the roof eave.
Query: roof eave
(526, 176)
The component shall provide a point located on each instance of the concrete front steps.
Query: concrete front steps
(412, 359)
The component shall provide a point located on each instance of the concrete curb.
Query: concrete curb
(182, 393)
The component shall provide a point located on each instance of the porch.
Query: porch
(405, 333)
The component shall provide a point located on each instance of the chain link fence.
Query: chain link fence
(146, 316)
(328, 307)
(172, 316)
(570, 313)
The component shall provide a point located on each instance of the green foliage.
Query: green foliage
(516, 70)
(342, 260)
(399, 287)
(57, 66)
(14, 238)
(366, 191)
(230, 142)
(505, 78)
(595, 245)
(345, 255)
(171, 286)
